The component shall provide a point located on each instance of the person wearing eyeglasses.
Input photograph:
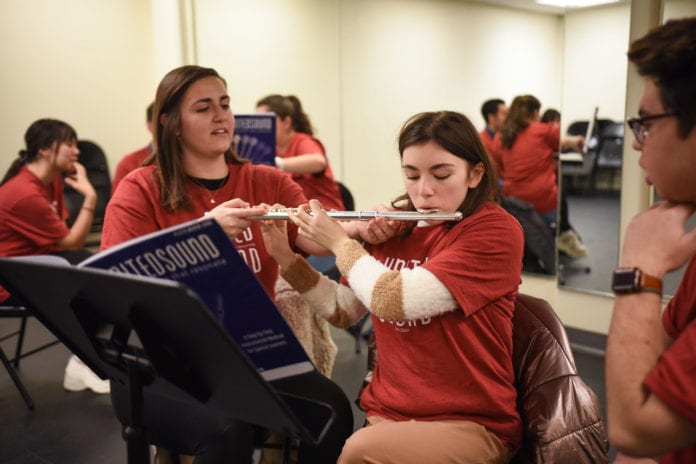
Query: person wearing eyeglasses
(651, 355)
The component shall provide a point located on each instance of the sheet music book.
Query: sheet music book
(255, 137)
(199, 254)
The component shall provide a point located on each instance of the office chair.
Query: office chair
(610, 155)
(94, 160)
(561, 416)
(12, 364)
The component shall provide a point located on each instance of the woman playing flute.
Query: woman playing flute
(441, 297)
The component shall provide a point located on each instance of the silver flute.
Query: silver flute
(423, 215)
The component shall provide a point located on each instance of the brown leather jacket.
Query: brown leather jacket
(561, 417)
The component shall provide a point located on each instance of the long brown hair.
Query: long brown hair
(519, 115)
(455, 133)
(42, 134)
(168, 155)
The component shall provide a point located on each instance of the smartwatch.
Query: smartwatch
(633, 280)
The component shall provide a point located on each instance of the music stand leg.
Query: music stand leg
(134, 433)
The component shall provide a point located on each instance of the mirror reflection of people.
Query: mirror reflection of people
(494, 112)
(651, 353)
(33, 214)
(134, 160)
(527, 151)
(566, 240)
(441, 298)
(194, 172)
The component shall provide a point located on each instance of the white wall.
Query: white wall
(276, 46)
(594, 68)
(85, 62)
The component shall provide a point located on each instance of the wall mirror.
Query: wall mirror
(594, 199)
(594, 89)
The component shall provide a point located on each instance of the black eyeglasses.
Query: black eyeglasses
(639, 128)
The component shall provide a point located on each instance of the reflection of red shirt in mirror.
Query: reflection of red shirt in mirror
(489, 143)
(673, 379)
(529, 166)
(320, 186)
(32, 216)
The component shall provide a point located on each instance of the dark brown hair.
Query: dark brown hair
(42, 134)
(455, 133)
(667, 54)
(289, 105)
(490, 107)
(168, 154)
(518, 118)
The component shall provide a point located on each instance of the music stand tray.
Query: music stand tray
(156, 334)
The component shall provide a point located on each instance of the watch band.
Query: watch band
(633, 280)
(649, 283)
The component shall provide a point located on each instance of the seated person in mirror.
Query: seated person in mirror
(567, 240)
(494, 112)
(441, 298)
(527, 151)
(651, 354)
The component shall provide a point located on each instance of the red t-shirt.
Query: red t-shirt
(529, 167)
(129, 163)
(458, 365)
(489, 144)
(135, 210)
(321, 186)
(32, 217)
(673, 379)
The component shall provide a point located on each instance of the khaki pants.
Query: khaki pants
(384, 441)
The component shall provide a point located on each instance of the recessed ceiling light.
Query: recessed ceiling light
(575, 3)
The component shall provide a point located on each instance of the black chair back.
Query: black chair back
(94, 160)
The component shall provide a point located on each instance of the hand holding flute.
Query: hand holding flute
(315, 226)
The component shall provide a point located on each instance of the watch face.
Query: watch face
(624, 280)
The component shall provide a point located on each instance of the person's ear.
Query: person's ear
(475, 175)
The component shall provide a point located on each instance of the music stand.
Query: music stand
(156, 334)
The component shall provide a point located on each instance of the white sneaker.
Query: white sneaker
(570, 244)
(79, 377)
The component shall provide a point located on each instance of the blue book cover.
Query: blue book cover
(255, 137)
(200, 255)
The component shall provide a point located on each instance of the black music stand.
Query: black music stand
(156, 334)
